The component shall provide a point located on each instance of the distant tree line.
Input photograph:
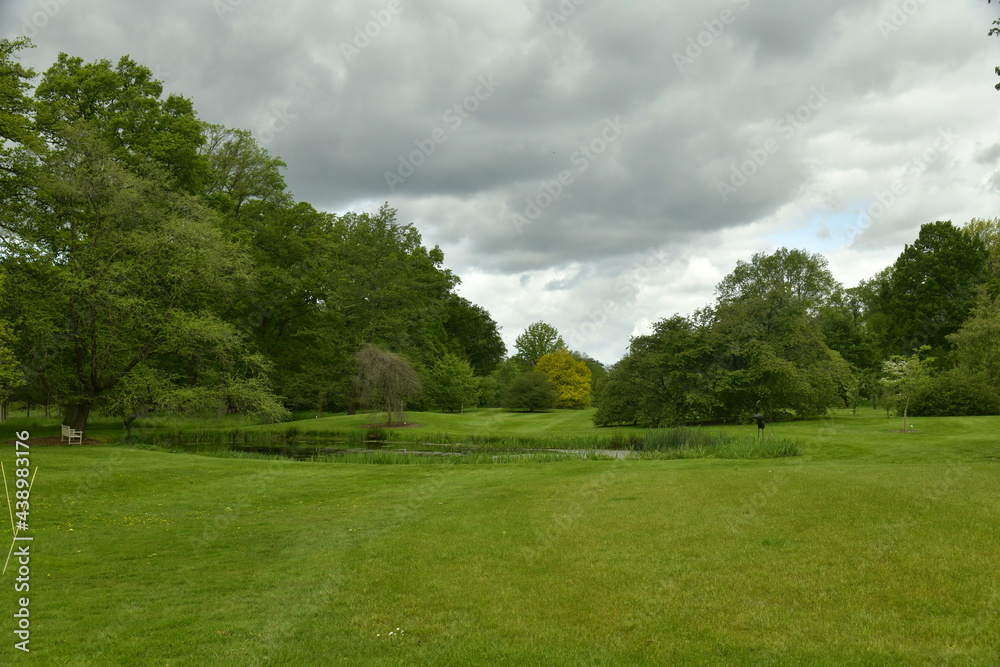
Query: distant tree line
(151, 260)
(921, 337)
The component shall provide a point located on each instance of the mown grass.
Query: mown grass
(153, 558)
(871, 547)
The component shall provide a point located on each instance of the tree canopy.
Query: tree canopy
(123, 105)
(537, 340)
(161, 262)
(761, 341)
(794, 274)
(568, 376)
(452, 386)
(932, 288)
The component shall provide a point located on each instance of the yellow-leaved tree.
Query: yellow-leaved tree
(571, 378)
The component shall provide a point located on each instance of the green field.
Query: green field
(872, 547)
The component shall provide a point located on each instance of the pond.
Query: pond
(313, 451)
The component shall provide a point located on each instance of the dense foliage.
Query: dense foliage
(784, 333)
(568, 376)
(151, 260)
(530, 391)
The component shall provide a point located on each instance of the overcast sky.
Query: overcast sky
(594, 164)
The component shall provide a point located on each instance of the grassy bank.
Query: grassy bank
(873, 547)
(144, 557)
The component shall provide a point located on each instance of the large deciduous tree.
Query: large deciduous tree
(115, 269)
(387, 286)
(377, 283)
(775, 353)
(452, 385)
(669, 377)
(472, 333)
(119, 268)
(536, 341)
(762, 341)
(569, 377)
(932, 288)
(770, 336)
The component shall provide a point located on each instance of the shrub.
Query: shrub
(530, 391)
(375, 435)
(956, 393)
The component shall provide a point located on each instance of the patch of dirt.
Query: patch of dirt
(392, 425)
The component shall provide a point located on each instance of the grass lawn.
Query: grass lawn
(873, 547)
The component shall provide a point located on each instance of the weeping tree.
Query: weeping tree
(385, 381)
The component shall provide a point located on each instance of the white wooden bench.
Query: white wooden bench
(72, 435)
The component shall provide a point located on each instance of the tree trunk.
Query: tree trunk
(77, 415)
(127, 423)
